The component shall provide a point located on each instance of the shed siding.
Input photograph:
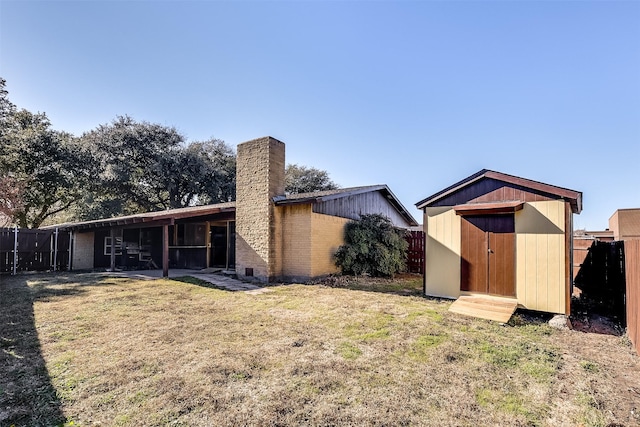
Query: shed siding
(82, 251)
(360, 204)
(492, 190)
(327, 234)
(540, 256)
(442, 261)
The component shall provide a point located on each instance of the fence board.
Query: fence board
(601, 277)
(36, 250)
(632, 269)
(415, 253)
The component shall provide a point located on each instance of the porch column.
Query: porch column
(207, 237)
(165, 250)
(112, 258)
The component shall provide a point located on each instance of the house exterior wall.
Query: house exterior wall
(540, 260)
(360, 204)
(625, 224)
(309, 241)
(541, 255)
(327, 235)
(614, 225)
(82, 252)
(259, 178)
(442, 252)
(296, 242)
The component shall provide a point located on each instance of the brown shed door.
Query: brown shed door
(488, 254)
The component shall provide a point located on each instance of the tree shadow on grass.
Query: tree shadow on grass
(27, 396)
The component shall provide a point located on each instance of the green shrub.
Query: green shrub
(372, 246)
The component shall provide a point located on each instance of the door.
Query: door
(218, 246)
(488, 254)
(223, 245)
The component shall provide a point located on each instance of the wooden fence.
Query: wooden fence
(23, 249)
(632, 269)
(601, 277)
(415, 253)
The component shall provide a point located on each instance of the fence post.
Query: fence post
(15, 249)
(55, 252)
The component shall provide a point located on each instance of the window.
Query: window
(108, 246)
(190, 234)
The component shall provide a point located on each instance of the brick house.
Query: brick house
(265, 234)
(625, 224)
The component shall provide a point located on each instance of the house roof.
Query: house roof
(167, 216)
(156, 217)
(572, 196)
(323, 196)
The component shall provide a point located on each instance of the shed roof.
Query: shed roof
(322, 196)
(572, 196)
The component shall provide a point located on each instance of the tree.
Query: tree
(11, 199)
(303, 179)
(372, 246)
(48, 167)
(147, 167)
(218, 182)
(129, 156)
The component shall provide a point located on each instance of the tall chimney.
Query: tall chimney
(259, 178)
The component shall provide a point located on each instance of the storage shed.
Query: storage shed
(501, 235)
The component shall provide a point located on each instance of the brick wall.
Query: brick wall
(327, 235)
(259, 178)
(82, 258)
(296, 242)
(309, 241)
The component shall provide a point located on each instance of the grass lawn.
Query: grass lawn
(88, 350)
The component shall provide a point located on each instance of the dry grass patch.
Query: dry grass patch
(116, 351)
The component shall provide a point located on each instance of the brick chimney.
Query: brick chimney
(259, 178)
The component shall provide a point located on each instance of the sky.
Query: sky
(413, 94)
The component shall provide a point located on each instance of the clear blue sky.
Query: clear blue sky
(416, 95)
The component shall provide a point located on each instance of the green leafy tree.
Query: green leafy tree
(217, 176)
(130, 158)
(146, 167)
(48, 167)
(303, 179)
(372, 246)
(11, 193)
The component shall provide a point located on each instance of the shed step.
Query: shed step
(485, 307)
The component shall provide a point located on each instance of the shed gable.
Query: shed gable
(489, 186)
(492, 190)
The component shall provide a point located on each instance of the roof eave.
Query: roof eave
(282, 200)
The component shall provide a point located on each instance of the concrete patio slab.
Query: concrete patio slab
(218, 280)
